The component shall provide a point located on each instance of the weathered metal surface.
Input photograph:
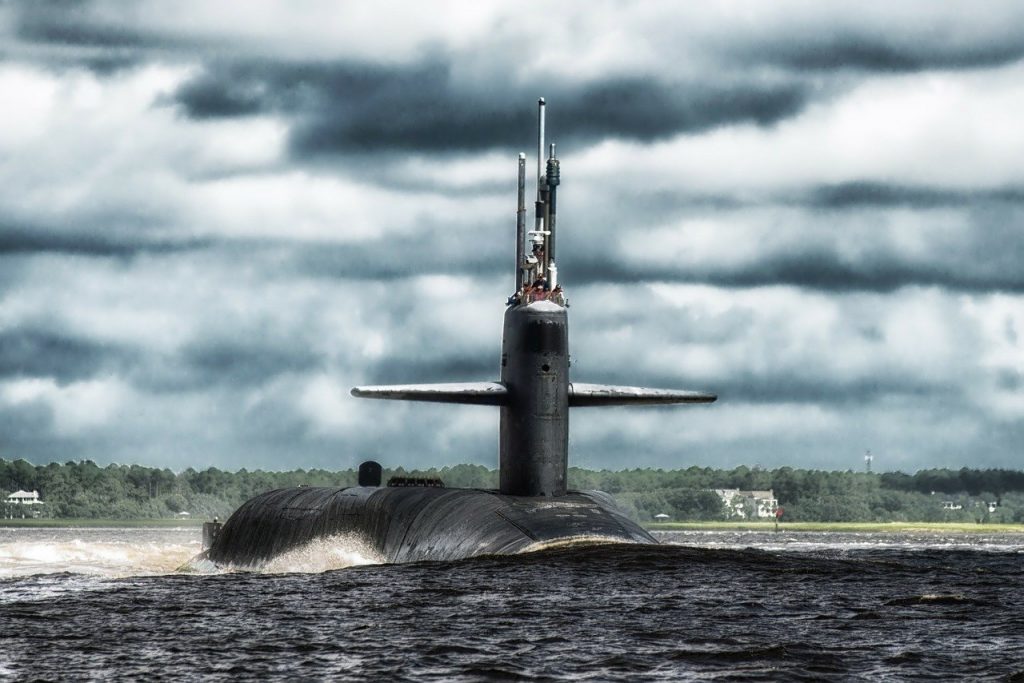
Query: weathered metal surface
(552, 177)
(581, 395)
(476, 393)
(414, 524)
(521, 224)
(534, 439)
(370, 473)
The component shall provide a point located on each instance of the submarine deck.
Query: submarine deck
(408, 524)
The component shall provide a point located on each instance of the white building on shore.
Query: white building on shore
(22, 504)
(749, 504)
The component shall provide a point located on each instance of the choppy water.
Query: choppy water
(106, 604)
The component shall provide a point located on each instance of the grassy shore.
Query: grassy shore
(866, 527)
(107, 523)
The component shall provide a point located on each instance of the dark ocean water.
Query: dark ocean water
(719, 607)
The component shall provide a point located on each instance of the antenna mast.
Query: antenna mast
(540, 154)
(521, 223)
(540, 222)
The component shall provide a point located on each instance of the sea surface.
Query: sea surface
(105, 604)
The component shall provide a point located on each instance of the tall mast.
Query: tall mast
(540, 222)
(521, 223)
(540, 153)
(552, 179)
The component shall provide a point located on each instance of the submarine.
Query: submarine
(409, 520)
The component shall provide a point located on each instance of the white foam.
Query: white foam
(7, 668)
(318, 556)
(324, 555)
(811, 541)
(572, 541)
(97, 552)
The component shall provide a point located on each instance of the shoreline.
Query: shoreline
(50, 523)
(841, 527)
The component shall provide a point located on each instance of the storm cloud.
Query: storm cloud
(869, 51)
(217, 220)
(340, 107)
(40, 238)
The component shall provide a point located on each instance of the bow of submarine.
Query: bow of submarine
(409, 524)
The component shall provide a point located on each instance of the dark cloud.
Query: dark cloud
(665, 205)
(421, 254)
(76, 23)
(24, 240)
(867, 193)
(645, 110)
(107, 63)
(30, 352)
(40, 28)
(235, 365)
(239, 365)
(244, 363)
(214, 398)
(353, 107)
(988, 263)
(832, 50)
(882, 274)
(813, 269)
(207, 97)
(975, 245)
(63, 34)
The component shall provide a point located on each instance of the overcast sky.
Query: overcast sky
(216, 218)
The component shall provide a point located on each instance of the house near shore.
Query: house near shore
(22, 504)
(748, 504)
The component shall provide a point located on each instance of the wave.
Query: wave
(575, 542)
(318, 556)
(109, 552)
(118, 558)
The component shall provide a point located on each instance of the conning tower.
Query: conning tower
(420, 520)
(534, 392)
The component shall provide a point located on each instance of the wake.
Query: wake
(107, 558)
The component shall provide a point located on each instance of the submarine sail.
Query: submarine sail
(412, 520)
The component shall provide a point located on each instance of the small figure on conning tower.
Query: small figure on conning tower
(534, 263)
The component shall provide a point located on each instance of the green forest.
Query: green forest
(86, 490)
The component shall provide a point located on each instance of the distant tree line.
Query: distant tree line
(933, 495)
(86, 490)
(973, 482)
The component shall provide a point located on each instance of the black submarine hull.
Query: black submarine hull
(411, 524)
